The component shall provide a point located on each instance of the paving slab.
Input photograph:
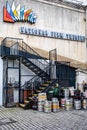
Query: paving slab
(19, 119)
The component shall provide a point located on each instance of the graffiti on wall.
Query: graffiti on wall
(18, 14)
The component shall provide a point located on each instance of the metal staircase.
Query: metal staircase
(41, 82)
(44, 87)
(18, 48)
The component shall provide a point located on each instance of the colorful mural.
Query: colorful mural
(14, 14)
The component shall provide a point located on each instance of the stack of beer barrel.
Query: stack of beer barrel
(45, 105)
(66, 102)
(41, 99)
(72, 99)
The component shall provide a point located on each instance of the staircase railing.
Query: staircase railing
(50, 85)
(37, 81)
(39, 61)
(17, 47)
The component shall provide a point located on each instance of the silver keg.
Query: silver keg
(41, 106)
(47, 106)
(55, 105)
(69, 104)
(77, 104)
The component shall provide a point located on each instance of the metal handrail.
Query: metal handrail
(23, 47)
(11, 38)
(35, 78)
(50, 85)
(35, 59)
(35, 52)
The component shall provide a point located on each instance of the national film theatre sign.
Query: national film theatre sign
(51, 34)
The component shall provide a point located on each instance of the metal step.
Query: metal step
(46, 84)
(38, 91)
(30, 98)
(42, 88)
(28, 63)
(23, 60)
(34, 94)
(22, 105)
(32, 67)
(35, 69)
(49, 82)
(26, 101)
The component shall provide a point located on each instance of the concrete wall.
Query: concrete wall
(52, 17)
(81, 76)
(13, 74)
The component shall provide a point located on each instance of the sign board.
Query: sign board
(51, 34)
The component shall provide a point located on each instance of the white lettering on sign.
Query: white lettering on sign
(51, 34)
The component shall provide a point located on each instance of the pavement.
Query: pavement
(19, 119)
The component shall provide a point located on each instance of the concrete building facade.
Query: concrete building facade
(51, 17)
(58, 25)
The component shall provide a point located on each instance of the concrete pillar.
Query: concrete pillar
(53, 70)
(1, 81)
(81, 76)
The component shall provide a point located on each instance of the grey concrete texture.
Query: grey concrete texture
(19, 119)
